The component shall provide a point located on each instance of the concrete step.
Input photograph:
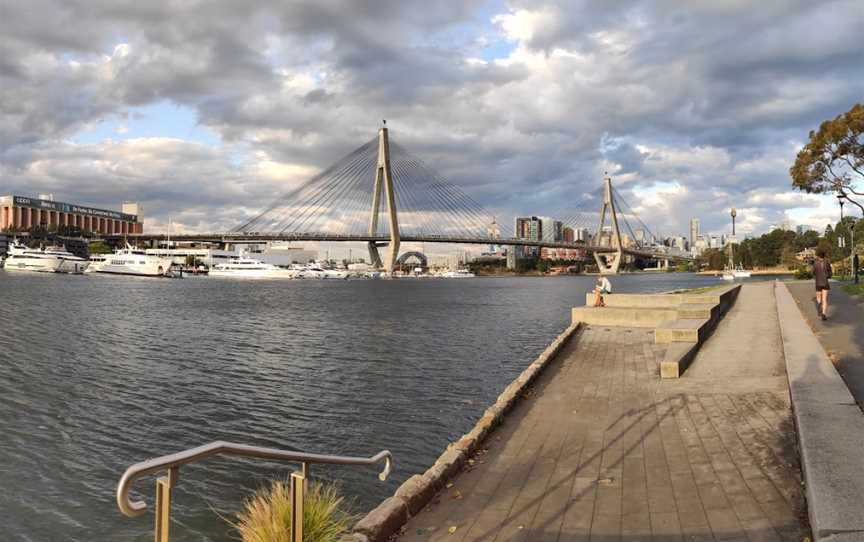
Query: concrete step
(655, 300)
(697, 310)
(691, 330)
(624, 316)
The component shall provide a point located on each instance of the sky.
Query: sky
(206, 111)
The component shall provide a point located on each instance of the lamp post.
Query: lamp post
(841, 198)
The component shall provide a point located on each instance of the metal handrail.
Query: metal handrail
(172, 461)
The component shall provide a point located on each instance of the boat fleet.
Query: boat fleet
(136, 262)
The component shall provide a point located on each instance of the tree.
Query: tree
(833, 159)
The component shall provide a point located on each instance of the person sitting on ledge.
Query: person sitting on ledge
(602, 288)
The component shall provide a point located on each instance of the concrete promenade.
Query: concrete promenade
(601, 449)
(842, 335)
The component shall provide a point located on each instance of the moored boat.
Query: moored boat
(249, 268)
(130, 261)
(45, 260)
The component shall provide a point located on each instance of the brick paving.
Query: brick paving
(602, 450)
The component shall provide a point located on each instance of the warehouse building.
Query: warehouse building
(22, 213)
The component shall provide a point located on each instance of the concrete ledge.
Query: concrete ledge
(624, 316)
(830, 430)
(387, 518)
(677, 358)
(686, 336)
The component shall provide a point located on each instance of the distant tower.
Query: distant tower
(694, 231)
(734, 213)
(494, 232)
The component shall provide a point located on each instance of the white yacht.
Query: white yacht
(249, 268)
(315, 271)
(459, 274)
(46, 260)
(130, 261)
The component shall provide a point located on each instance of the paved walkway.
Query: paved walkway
(842, 335)
(602, 450)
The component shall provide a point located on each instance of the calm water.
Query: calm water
(97, 373)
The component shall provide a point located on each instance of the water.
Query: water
(99, 372)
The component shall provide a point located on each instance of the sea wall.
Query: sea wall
(414, 494)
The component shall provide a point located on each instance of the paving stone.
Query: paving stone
(604, 450)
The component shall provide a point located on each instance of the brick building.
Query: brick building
(23, 213)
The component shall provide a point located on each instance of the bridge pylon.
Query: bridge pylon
(609, 262)
(384, 180)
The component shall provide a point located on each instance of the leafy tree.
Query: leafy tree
(833, 159)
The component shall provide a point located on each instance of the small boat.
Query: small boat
(250, 268)
(45, 260)
(459, 274)
(130, 261)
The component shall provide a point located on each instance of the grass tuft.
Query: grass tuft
(266, 516)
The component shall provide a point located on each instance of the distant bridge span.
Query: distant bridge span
(245, 238)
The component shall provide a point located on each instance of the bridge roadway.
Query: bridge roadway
(384, 239)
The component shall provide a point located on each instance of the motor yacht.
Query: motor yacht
(459, 274)
(130, 261)
(243, 267)
(317, 271)
(45, 259)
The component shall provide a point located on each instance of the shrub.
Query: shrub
(266, 516)
(804, 273)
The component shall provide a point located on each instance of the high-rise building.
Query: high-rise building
(801, 229)
(530, 228)
(694, 231)
(583, 234)
(551, 229)
(569, 234)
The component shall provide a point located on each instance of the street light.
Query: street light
(841, 198)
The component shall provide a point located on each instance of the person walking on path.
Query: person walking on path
(821, 274)
(602, 288)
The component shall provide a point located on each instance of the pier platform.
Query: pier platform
(600, 448)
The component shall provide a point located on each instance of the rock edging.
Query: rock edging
(414, 494)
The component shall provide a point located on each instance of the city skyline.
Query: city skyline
(523, 105)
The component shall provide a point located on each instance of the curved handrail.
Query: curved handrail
(192, 455)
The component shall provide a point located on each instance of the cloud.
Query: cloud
(713, 98)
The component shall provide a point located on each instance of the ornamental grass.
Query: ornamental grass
(266, 516)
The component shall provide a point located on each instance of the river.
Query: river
(99, 372)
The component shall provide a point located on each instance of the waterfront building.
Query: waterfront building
(694, 230)
(583, 234)
(23, 213)
(530, 228)
(548, 253)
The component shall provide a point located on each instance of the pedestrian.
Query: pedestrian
(821, 274)
(602, 288)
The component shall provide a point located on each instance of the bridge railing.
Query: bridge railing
(170, 464)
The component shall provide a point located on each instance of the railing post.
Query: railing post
(164, 485)
(298, 492)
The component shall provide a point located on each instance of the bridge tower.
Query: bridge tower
(609, 262)
(384, 180)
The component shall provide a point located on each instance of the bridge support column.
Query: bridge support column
(383, 176)
(608, 263)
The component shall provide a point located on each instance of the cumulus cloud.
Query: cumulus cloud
(523, 105)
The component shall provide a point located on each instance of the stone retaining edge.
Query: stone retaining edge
(679, 355)
(829, 426)
(416, 492)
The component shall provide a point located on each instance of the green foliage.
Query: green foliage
(100, 247)
(713, 259)
(266, 516)
(804, 272)
(854, 289)
(833, 159)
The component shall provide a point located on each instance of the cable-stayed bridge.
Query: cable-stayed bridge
(382, 195)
